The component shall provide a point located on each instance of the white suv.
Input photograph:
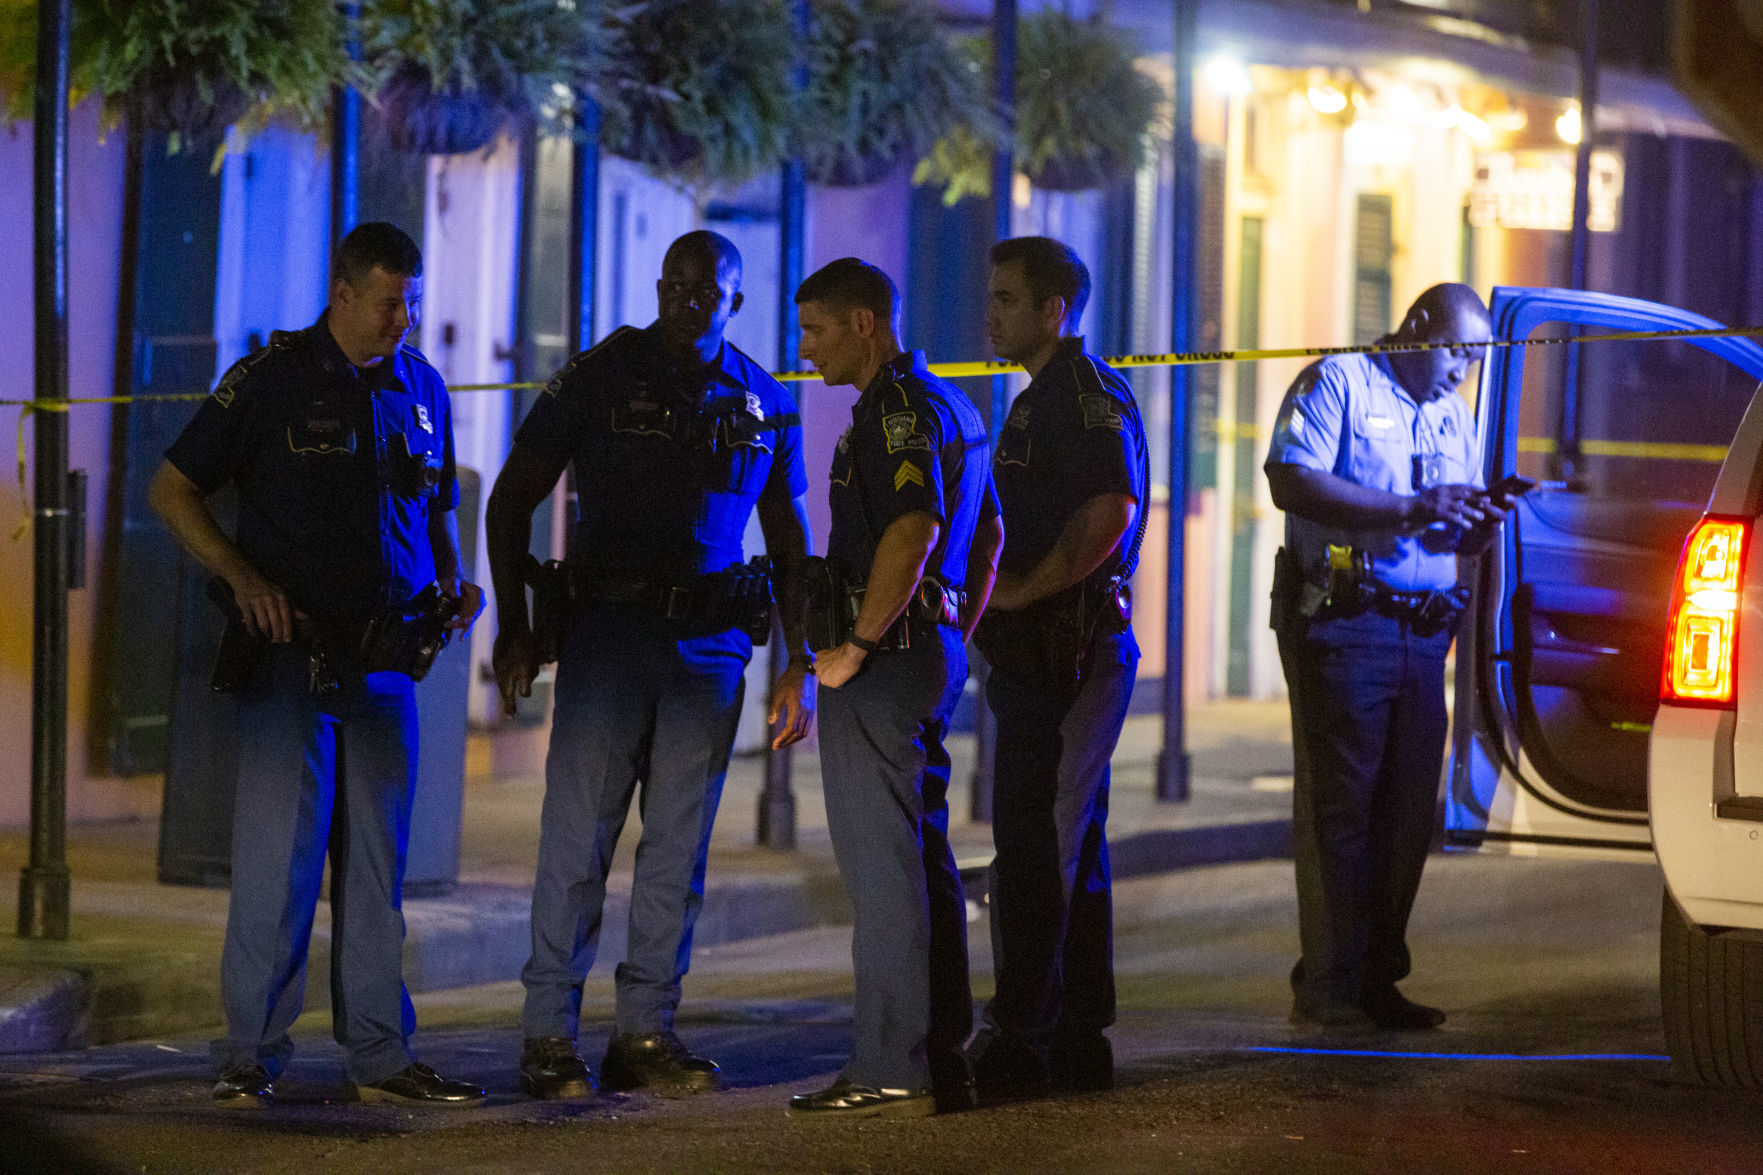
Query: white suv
(1645, 452)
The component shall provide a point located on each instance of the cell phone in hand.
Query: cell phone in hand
(1512, 487)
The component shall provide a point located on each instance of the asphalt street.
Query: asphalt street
(1551, 1061)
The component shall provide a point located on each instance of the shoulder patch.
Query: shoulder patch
(902, 432)
(227, 389)
(557, 381)
(1100, 411)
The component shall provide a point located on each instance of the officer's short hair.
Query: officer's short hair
(1051, 269)
(375, 244)
(709, 244)
(851, 283)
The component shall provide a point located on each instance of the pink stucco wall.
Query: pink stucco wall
(95, 188)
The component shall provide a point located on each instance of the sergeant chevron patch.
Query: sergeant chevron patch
(908, 473)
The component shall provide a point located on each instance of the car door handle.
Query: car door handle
(1554, 642)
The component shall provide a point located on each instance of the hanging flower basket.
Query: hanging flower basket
(701, 92)
(186, 105)
(419, 120)
(188, 68)
(1084, 113)
(1083, 108)
(884, 84)
(453, 74)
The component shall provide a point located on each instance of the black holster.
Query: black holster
(554, 605)
(408, 639)
(833, 605)
(1049, 642)
(240, 649)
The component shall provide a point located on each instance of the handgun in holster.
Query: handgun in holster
(826, 604)
(1297, 596)
(240, 649)
(554, 604)
(408, 639)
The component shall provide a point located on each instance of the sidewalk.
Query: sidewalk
(144, 958)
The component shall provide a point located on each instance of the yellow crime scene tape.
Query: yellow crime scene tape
(971, 368)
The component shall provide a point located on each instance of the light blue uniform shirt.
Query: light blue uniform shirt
(1346, 415)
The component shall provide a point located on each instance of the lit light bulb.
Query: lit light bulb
(1568, 126)
(1327, 99)
(1228, 76)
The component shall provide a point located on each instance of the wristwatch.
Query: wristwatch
(863, 642)
(804, 660)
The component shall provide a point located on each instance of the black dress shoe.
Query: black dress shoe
(1007, 1068)
(1081, 1064)
(244, 1087)
(951, 1080)
(1391, 1009)
(658, 1062)
(551, 1068)
(846, 1099)
(419, 1085)
(1330, 1017)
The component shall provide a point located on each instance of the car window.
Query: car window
(1651, 422)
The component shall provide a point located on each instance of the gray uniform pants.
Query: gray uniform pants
(886, 779)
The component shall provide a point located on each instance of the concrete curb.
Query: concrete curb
(479, 934)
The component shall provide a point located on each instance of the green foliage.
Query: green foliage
(187, 66)
(505, 62)
(1083, 112)
(1082, 107)
(884, 83)
(701, 89)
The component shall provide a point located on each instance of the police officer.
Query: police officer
(1375, 462)
(676, 436)
(1071, 471)
(915, 529)
(339, 440)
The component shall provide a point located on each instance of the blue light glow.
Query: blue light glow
(1454, 1056)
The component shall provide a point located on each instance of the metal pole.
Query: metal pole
(777, 802)
(584, 215)
(1566, 461)
(43, 884)
(346, 140)
(1582, 163)
(985, 728)
(1172, 762)
(584, 219)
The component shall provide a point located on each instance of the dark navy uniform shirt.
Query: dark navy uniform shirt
(1072, 434)
(313, 445)
(916, 443)
(669, 463)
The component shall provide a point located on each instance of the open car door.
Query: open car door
(1558, 658)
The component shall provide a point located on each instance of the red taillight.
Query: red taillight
(1701, 636)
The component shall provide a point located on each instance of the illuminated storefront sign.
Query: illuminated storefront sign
(1534, 189)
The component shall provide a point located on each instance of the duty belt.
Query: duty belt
(739, 596)
(932, 602)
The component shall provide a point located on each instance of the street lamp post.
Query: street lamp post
(1003, 182)
(43, 885)
(1172, 762)
(777, 802)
